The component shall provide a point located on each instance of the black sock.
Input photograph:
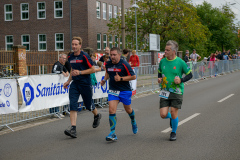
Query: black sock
(74, 127)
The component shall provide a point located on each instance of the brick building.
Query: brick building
(46, 25)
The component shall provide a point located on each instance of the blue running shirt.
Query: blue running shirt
(123, 69)
(81, 62)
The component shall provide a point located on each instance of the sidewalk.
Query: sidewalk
(143, 80)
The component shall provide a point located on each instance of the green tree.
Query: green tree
(171, 19)
(220, 22)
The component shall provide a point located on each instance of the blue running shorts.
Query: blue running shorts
(124, 97)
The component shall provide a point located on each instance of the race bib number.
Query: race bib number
(114, 93)
(164, 94)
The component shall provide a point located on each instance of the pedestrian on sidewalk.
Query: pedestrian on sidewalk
(211, 65)
(59, 68)
(106, 52)
(82, 67)
(134, 62)
(170, 74)
(186, 58)
(119, 73)
(125, 54)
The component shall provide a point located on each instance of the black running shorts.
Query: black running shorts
(174, 100)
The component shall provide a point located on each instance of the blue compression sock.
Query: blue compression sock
(112, 122)
(174, 124)
(132, 116)
(168, 116)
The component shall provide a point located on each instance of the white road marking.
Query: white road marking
(183, 121)
(226, 98)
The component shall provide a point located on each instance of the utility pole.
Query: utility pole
(123, 24)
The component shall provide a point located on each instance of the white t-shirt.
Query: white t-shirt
(194, 56)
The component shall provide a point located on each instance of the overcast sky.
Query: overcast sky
(217, 3)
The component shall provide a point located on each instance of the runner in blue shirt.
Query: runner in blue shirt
(119, 73)
(82, 67)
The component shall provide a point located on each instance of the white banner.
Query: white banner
(46, 91)
(98, 90)
(8, 96)
(133, 83)
(42, 91)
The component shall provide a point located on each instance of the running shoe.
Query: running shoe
(173, 136)
(111, 137)
(96, 121)
(134, 128)
(71, 132)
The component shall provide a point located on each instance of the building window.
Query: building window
(98, 9)
(115, 12)
(104, 41)
(105, 11)
(110, 11)
(120, 11)
(121, 43)
(110, 41)
(129, 15)
(8, 12)
(59, 42)
(116, 41)
(58, 9)
(9, 42)
(24, 11)
(41, 10)
(26, 42)
(98, 41)
(42, 42)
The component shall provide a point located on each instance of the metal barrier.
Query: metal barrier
(204, 69)
(146, 82)
(145, 58)
(13, 118)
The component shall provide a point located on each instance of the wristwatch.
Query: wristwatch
(80, 72)
(104, 80)
(121, 79)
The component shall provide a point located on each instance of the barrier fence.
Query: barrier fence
(146, 82)
(41, 62)
(7, 64)
(204, 69)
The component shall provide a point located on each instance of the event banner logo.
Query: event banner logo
(8, 96)
(28, 93)
(7, 91)
(98, 86)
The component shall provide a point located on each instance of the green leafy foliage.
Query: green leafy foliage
(220, 22)
(201, 28)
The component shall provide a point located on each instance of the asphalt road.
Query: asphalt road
(213, 134)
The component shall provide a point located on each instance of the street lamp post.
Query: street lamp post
(123, 24)
(136, 6)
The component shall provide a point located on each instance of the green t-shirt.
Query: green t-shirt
(170, 69)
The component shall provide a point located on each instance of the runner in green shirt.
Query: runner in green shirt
(170, 72)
